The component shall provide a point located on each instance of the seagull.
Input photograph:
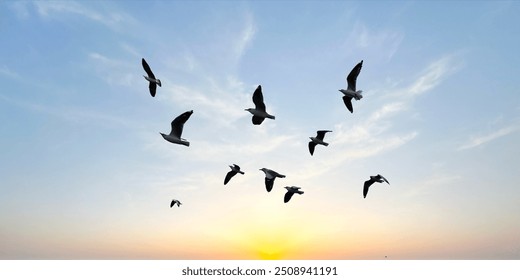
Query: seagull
(290, 191)
(175, 201)
(151, 78)
(259, 113)
(177, 125)
(318, 140)
(351, 92)
(234, 170)
(270, 175)
(373, 179)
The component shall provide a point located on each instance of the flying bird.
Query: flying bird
(351, 92)
(177, 126)
(175, 201)
(151, 78)
(373, 179)
(259, 113)
(318, 140)
(270, 175)
(234, 170)
(290, 191)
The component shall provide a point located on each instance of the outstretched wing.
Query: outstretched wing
(258, 99)
(172, 203)
(178, 123)
(352, 77)
(366, 186)
(287, 196)
(348, 102)
(147, 69)
(229, 175)
(269, 183)
(321, 134)
(153, 88)
(312, 145)
(257, 120)
(384, 179)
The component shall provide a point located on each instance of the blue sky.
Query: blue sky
(84, 172)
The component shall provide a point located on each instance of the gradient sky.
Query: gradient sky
(84, 172)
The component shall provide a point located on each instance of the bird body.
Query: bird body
(177, 127)
(351, 92)
(290, 192)
(150, 78)
(270, 175)
(234, 170)
(373, 179)
(318, 140)
(259, 113)
(175, 201)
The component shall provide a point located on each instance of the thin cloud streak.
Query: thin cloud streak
(483, 139)
(114, 21)
(113, 71)
(432, 76)
(6, 72)
(246, 37)
(383, 43)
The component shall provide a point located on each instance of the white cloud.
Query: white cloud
(115, 72)
(5, 71)
(483, 139)
(221, 103)
(112, 20)
(382, 43)
(432, 76)
(245, 37)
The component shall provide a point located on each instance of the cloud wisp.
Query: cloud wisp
(383, 43)
(112, 20)
(483, 139)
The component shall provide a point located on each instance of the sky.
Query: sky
(85, 174)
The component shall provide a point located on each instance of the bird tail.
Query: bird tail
(359, 95)
(299, 192)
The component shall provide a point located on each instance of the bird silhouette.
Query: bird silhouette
(259, 113)
(351, 92)
(290, 192)
(234, 170)
(177, 127)
(318, 140)
(175, 201)
(378, 178)
(270, 175)
(150, 78)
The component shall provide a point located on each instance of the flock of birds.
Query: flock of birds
(259, 115)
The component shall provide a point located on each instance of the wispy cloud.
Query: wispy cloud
(113, 71)
(382, 42)
(245, 37)
(223, 103)
(6, 72)
(73, 114)
(432, 76)
(483, 139)
(113, 20)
